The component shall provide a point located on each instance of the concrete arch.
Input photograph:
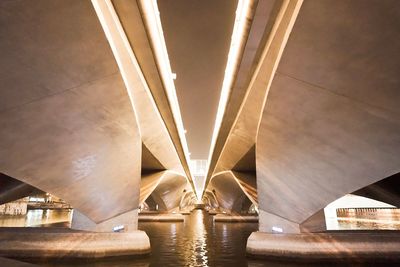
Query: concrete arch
(188, 200)
(71, 125)
(166, 188)
(228, 192)
(327, 130)
(210, 199)
(386, 190)
(67, 124)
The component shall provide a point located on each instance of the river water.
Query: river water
(198, 241)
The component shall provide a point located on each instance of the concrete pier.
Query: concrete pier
(235, 218)
(46, 243)
(162, 218)
(363, 246)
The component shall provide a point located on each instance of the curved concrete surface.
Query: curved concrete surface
(228, 192)
(248, 183)
(188, 200)
(135, 28)
(243, 132)
(330, 125)
(260, 22)
(209, 199)
(44, 243)
(150, 181)
(379, 246)
(67, 124)
(166, 188)
(237, 150)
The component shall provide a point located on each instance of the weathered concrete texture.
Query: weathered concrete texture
(331, 124)
(379, 246)
(161, 218)
(50, 47)
(315, 223)
(67, 124)
(128, 221)
(235, 218)
(42, 243)
(269, 220)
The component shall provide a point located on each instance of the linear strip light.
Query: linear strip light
(242, 12)
(152, 16)
(127, 63)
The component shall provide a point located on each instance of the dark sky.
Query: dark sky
(198, 34)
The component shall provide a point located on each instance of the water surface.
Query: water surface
(198, 241)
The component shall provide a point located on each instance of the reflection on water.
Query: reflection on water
(38, 217)
(365, 219)
(196, 242)
(384, 219)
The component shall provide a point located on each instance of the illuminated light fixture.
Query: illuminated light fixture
(129, 67)
(153, 22)
(118, 228)
(239, 29)
(277, 229)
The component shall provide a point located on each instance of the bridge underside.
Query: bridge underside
(72, 125)
(325, 122)
(89, 113)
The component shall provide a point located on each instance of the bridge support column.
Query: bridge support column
(271, 223)
(126, 222)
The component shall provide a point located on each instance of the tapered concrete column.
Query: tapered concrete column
(126, 222)
(271, 223)
(316, 223)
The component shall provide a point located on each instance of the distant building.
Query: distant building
(18, 207)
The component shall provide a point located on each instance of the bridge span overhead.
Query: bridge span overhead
(147, 111)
